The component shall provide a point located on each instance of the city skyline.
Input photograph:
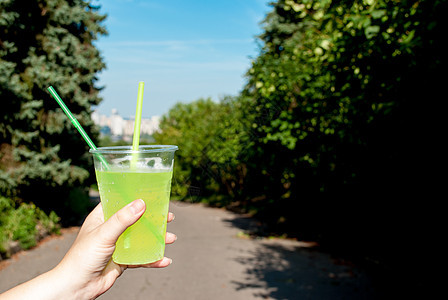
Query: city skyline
(119, 126)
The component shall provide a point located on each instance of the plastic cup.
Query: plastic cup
(149, 179)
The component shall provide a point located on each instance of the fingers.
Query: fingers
(121, 220)
(97, 212)
(170, 238)
(165, 262)
(170, 217)
(93, 220)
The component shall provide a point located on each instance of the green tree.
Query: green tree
(43, 43)
(345, 99)
(212, 140)
(333, 135)
(288, 103)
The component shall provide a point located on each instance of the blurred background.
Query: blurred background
(321, 119)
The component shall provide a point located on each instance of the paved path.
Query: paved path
(213, 260)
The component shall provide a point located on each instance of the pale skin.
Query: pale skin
(87, 269)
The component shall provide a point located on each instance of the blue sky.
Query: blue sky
(182, 50)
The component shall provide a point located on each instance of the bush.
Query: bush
(212, 141)
(26, 224)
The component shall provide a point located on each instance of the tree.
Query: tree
(288, 97)
(212, 141)
(43, 43)
(345, 97)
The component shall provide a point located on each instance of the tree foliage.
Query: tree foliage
(343, 96)
(336, 122)
(211, 140)
(43, 43)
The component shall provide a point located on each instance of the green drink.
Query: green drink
(143, 242)
(124, 175)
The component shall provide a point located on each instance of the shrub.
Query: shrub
(25, 224)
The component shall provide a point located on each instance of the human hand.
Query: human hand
(88, 265)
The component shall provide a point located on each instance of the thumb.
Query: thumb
(121, 220)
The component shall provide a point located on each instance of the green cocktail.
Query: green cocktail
(145, 174)
(143, 242)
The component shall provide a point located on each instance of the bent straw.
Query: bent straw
(77, 125)
(137, 124)
(92, 146)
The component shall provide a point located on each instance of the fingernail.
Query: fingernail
(137, 206)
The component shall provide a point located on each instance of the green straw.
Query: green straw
(92, 145)
(137, 124)
(76, 124)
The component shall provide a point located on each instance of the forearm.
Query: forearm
(50, 285)
(87, 269)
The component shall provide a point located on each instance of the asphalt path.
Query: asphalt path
(213, 258)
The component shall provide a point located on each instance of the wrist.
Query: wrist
(76, 283)
(65, 285)
(50, 285)
(72, 282)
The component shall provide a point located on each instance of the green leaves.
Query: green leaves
(25, 224)
(371, 31)
(47, 42)
(376, 14)
(330, 133)
(211, 138)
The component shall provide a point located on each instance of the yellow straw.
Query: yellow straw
(135, 144)
(138, 116)
(137, 124)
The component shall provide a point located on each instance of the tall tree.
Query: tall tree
(43, 43)
(346, 101)
(212, 140)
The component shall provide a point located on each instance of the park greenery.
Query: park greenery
(21, 226)
(42, 160)
(328, 140)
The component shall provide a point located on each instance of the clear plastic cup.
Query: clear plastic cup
(124, 175)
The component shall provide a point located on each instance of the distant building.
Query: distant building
(118, 126)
